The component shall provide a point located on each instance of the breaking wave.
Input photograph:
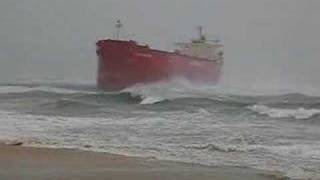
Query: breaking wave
(300, 113)
(175, 89)
(158, 92)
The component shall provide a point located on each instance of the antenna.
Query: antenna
(118, 26)
(200, 29)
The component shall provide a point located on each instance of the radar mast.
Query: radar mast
(202, 38)
(118, 26)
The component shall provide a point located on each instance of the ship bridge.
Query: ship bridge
(202, 48)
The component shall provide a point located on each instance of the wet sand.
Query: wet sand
(27, 163)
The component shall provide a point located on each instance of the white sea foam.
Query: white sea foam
(196, 137)
(300, 113)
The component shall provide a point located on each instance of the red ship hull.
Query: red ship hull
(125, 63)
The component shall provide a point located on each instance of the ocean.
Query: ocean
(175, 121)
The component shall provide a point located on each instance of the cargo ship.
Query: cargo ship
(125, 63)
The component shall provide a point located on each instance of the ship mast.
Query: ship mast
(118, 26)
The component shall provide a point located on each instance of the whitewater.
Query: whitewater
(177, 121)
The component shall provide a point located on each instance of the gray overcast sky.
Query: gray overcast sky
(266, 41)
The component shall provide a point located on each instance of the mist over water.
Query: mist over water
(268, 44)
(264, 113)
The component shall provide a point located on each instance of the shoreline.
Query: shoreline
(20, 162)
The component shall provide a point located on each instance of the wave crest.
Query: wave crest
(174, 89)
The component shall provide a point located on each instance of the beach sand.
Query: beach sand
(27, 163)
